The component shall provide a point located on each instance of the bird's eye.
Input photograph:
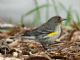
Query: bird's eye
(59, 18)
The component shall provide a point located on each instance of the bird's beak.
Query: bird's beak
(64, 19)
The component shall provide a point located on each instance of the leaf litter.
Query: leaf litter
(13, 46)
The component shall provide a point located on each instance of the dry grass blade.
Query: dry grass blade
(75, 25)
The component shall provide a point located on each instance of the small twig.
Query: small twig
(59, 57)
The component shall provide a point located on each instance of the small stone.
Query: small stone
(15, 54)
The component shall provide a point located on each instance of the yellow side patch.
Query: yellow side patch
(52, 34)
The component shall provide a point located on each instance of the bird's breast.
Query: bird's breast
(56, 36)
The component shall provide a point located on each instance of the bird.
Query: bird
(47, 32)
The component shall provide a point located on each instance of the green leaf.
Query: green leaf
(32, 11)
(78, 18)
(69, 17)
(37, 16)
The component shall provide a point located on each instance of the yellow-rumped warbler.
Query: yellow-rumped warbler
(50, 29)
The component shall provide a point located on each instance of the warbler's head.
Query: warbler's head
(56, 20)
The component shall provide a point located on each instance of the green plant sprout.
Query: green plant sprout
(32, 11)
(37, 9)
